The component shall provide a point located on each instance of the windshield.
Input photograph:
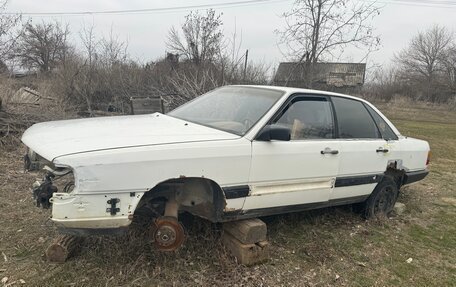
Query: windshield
(231, 109)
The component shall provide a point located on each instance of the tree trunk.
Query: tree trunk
(63, 247)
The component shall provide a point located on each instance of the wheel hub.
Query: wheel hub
(167, 233)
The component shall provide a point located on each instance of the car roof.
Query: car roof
(291, 90)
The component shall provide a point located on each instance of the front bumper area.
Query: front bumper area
(92, 226)
(93, 223)
(93, 213)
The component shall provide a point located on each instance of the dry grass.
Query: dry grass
(330, 247)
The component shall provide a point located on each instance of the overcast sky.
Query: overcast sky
(146, 33)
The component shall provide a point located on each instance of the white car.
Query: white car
(236, 152)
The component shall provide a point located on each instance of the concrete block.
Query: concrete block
(249, 231)
(247, 254)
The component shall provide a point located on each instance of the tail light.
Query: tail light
(428, 160)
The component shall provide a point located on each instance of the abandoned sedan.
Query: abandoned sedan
(236, 152)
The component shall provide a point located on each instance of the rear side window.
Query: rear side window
(385, 129)
(308, 118)
(353, 119)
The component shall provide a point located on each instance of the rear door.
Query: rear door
(364, 153)
(289, 174)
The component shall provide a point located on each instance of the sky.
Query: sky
(146, 32)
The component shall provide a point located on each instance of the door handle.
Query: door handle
(383, 150)
(329, 151)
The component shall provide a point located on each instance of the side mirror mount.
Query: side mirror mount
(274, 132)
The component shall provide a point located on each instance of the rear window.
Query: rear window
(353, 119)
(385, 129)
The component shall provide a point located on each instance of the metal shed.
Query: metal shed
(337, 75)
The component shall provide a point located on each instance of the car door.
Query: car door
(287, 175)
(364, 154)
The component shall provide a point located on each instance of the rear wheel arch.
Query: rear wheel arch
(393, 177)
(382, 200)
(395, 171)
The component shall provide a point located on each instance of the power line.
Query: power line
(416, 3)
(424, 2)
(148, 10)
(428, 1)
(420, 3)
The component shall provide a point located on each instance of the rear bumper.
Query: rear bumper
(414, 176)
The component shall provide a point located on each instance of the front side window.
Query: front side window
(307, 118)
(232, 109)
(353, 120)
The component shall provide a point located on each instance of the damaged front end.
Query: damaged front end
(44, 189)
(33, 161)
(75, 212)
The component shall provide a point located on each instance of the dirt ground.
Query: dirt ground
(329, 247)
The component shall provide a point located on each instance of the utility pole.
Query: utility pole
(245, 64)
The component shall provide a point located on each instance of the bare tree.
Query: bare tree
(202, 37)
(450, 68)
(209, 59)
(317, 30)
(100, 76)
(113, 50)
(9, 25)
(425, 64)
(426, 54)
(86, 71)
(43, 46)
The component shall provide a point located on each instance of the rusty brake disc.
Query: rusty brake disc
(167, 233)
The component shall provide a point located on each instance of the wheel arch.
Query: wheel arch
(199, 196)
(396, 172)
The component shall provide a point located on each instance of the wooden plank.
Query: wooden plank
(247, 254)
(247, 231)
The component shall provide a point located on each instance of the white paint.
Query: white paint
(358, 157)
(112, 157)
(296, 170)
(59, 138)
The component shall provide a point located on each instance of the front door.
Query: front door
(290, 174)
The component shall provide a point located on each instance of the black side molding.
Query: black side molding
(358, 180)
(252, 213)
(232, 192)
(414, 176)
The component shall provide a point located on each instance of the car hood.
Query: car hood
(58, 138)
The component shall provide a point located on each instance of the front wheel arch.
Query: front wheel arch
(199, 196)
